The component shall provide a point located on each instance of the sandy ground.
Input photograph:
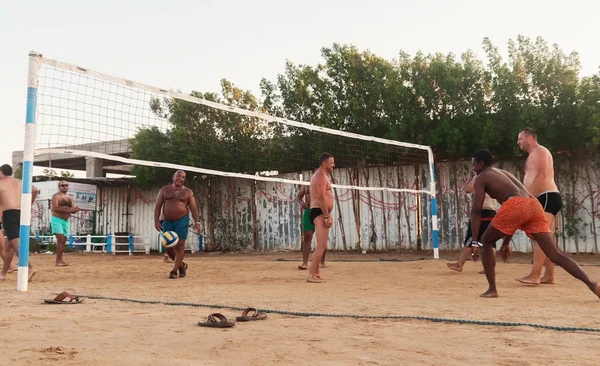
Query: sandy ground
(102, 332)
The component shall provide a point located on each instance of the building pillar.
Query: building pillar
(93, 167)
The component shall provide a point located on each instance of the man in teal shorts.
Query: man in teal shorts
(176, 202)
(308, 228)
(62, 206)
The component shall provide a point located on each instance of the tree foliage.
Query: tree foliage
(456, 104)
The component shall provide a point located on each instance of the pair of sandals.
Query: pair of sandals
(218, 320)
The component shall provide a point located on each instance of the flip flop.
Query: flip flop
(216, 320)
(257, 315)
(60, 299)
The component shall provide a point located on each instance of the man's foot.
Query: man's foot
(454, 267)
(528, 280)
(489, 294)
(314, 279)
(547, 281)
(596, 290)
(11, 269)
(166, 259)
(173, 274)
(61, 264)
(322, 265)
(2, 277)
(303, 267)
(31, 274)
(182, 270)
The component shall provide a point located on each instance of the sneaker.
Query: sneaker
(173, 274)
(182, 269)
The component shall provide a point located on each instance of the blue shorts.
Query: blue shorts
(59, 226)
(180, 226)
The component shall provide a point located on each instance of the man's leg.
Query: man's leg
(3, 249)
(13, 249)
(464, 255)
(548, 277)
(540, 260)
(306, 244)
(321, 233)
(488, 258)
(546, 242)
(61, 240)
(2, 245)
(323, 257)
(8, 256)
(179, 251)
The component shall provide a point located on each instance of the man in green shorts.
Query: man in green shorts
(62, 206)
(308, 228)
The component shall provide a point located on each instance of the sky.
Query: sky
(191, 45)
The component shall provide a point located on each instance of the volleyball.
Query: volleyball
(169, 239)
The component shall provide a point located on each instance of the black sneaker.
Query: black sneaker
(182, 269)
(173, 274)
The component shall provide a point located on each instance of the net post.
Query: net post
(35, 59)
(434, 218)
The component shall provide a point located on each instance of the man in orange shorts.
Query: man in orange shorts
(519, 210)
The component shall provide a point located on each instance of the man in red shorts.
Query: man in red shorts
(519, 210)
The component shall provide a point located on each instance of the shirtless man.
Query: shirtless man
(487, 214)
(321, 204)
(10, 205)
(518, 210)
(173, 200)
(539, 181)
(308, 228)
(62, 206)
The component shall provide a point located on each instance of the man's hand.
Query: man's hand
(157, 225)
(475, 253)
(328, 222)
(505, 252)
(74, 209)
(197, 227)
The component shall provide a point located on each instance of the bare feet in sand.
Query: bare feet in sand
(61, 264)
(303, 267)
(166, 259)
(322, 265)
(489, 294)
(528, 280)
(454, 267)
(315, 279)
(31, 274)
(547, 281)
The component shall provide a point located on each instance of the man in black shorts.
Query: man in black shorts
(10, 205)
(487, 214)
(539, 181)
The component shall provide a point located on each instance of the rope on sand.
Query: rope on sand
(354, 316)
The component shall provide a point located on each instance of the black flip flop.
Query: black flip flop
(216, 320)
(60, 299)
(257, 315)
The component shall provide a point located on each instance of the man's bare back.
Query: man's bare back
(501, 185)
(10, 194)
